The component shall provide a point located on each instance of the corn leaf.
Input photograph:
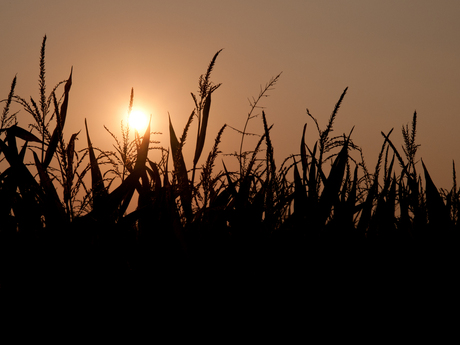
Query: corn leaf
(21, 133)
(303, 153)
(203, 127)
(53, 209)
(438, 214)
(57, 133)
(332, 185)
(69, 173)
(178, 158)
(99, 190)
(143, 151)
(181, 171)
(124, 192)
(154, 174)
(299, 192)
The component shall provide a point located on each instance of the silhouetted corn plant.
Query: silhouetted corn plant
(255, 213)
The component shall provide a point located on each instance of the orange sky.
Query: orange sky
(395, 57)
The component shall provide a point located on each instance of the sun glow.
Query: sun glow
(138, 121)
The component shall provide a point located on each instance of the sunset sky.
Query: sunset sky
(395, 57)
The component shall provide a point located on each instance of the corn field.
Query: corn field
(64, 211)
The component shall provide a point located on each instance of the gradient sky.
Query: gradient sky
(395, 57)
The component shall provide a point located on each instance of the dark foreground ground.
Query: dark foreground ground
(272, 267)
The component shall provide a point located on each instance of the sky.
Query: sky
(395, 57)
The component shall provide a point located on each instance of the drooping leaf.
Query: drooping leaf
(10, 155)
(21, 133)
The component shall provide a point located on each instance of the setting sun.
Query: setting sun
(138, 120)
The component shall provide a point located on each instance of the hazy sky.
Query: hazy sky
(395, 57)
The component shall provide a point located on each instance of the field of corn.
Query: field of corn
(64, 210)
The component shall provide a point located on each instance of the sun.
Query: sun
(138, 121)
